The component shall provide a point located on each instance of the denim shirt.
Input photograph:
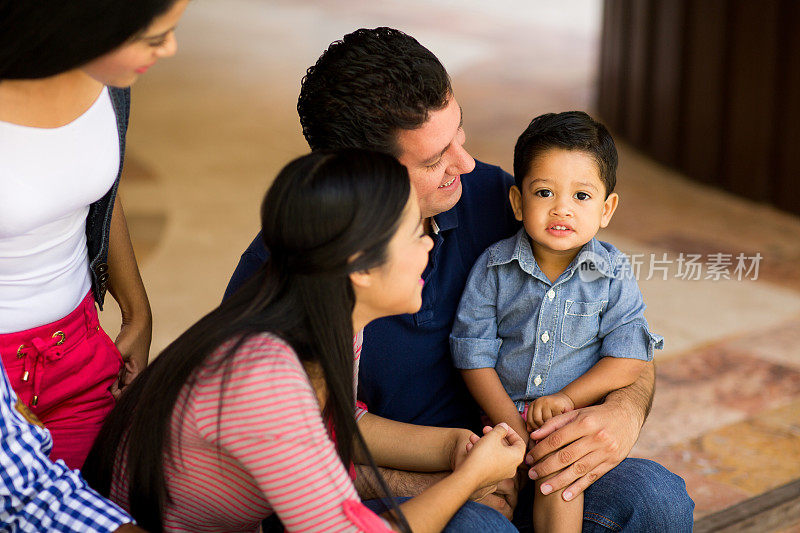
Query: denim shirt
(540, 336)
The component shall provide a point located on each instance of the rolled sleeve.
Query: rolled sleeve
(623, 328)
(474, 353)
(361, 410)
(474, 342)
(632, 341)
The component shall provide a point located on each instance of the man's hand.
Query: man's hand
(544, 408)
(503, 499)
(133, 343)
(583, 445)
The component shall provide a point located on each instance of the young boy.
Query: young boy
(551, 319)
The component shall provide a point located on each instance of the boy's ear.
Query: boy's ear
(608, 209)
(515, 197)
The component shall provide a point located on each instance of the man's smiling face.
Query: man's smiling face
(435, 157)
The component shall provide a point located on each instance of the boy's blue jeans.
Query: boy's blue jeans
(636, 496)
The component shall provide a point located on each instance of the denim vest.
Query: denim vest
(98, 221)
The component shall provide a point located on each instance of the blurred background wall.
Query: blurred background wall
(710, 87)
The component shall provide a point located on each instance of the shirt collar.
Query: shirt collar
(519, 248)
(445, 221)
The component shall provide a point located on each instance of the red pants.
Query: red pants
(63, 371)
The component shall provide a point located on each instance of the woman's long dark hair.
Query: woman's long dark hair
(328, 214)
(41, 38)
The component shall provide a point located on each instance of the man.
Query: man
(381, 90)
(37, 494)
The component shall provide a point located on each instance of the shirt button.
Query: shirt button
(545, 338)
(537, 380)
(551, 294)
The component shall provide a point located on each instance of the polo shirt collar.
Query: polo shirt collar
(447, 220)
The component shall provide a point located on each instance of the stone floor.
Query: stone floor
(211, 127)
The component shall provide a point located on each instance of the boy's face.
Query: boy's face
(562, 203)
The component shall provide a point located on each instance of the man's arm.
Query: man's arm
(586, 443)
(402, 483)
(249, 263)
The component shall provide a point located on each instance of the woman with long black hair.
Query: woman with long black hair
(237, 419)
(64, 71)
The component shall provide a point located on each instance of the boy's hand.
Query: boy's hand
(546, 407)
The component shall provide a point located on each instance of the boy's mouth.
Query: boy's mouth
(559, 229)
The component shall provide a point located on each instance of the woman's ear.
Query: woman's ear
(361, 279)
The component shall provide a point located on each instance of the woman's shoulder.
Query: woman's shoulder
(264, 347)
(256, 356)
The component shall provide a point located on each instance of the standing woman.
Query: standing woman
(64, 71)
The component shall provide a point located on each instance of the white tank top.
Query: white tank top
(48, 179)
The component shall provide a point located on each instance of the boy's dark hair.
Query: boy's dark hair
(570, 130)
(366, 87)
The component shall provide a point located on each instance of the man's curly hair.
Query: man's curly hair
(366, 87)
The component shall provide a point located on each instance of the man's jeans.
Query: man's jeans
(636, 496)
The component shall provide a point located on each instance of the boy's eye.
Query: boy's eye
(582, 196)
(544, 193)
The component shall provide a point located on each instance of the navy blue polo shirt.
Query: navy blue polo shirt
(406, 372)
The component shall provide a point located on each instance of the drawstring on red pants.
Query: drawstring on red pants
(42, 351)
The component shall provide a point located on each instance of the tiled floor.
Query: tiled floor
(211, 127)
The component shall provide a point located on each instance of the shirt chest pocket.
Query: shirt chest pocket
(581, 323)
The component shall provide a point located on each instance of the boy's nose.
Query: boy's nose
(561, 210)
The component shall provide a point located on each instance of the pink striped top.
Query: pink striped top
(265, 450)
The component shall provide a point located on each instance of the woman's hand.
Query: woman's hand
(133, 343)
(462, 443)
(496, 455)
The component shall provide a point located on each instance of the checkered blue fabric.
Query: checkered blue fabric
(37, 494)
